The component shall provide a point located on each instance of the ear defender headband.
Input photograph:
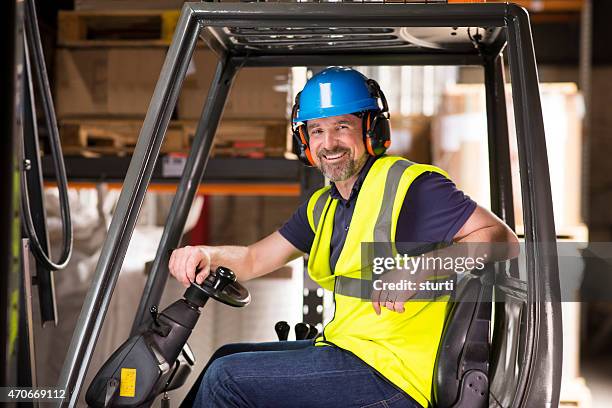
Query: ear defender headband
(376, 127)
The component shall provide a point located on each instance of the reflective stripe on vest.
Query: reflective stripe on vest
(362, 288)
(316, 205)
(400, 346)
(318, 208)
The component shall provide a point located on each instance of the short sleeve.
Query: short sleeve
(297, 229)
(433, 211)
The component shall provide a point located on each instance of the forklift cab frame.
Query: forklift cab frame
(525, 357)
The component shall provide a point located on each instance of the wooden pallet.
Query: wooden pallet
(234, 138)
(108, 28)
(248, 138)
(113, 137)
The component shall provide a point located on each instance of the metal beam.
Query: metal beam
(585, 71)
(185, 193)
(540, 378)
(275, 14)
(124, 219)
(360, 59)
(500, 174)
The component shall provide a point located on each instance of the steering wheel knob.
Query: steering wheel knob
(220, 285)
(223, 277)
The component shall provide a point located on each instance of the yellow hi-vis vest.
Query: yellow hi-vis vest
(400, 346)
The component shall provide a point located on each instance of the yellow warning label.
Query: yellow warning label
(128, 382)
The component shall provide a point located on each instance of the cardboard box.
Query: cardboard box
(120, 82)
(257, 93)
(460, 146)
(411, 137)
(102, 82)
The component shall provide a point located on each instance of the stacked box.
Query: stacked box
(411, 137)
(460, 141)
(257, 93)
(102, 82)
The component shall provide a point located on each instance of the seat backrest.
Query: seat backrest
(464, 345)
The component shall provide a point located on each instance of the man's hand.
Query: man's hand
(394, 298)
(190, 264)
(387, 298)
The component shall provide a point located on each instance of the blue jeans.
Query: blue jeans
(294, 374)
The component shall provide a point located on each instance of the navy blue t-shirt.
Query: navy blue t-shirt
(434, 210)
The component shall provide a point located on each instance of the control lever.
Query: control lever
(301, 331)
(154, 313)
(313, 332)
(111, 390)
(156, 326)
(156, 359)
(282, 329)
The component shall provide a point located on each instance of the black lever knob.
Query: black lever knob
(301, 331)
(154, 313)
(221, 278)
(282, 330)
(312, 332)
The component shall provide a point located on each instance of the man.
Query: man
(379, 349)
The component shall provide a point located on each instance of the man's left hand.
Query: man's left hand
(393, 299)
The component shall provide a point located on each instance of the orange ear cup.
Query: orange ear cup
(368, 141)
(369, 147)
(307, 149)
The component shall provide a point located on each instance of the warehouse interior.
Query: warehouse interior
(102, 60)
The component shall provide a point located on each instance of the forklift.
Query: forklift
(503, 349)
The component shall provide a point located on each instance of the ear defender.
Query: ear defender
(304, 153)
(300, 136)
(376, 124)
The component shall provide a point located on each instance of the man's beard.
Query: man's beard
(344, 169)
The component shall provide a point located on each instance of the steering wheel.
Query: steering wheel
(220, 285)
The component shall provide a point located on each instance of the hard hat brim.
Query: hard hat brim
(329, 111)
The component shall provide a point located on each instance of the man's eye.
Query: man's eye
(316, 132)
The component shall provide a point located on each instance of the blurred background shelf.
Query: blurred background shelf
(234, 138)
(167, 170)
(112, 27)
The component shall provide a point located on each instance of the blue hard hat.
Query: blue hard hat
(335, 91)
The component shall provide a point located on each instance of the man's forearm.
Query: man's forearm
(496, 243)
(490, 244)
(255, 260)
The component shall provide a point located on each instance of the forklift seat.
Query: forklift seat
(461, 373)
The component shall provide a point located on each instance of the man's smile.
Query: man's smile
(334, 157)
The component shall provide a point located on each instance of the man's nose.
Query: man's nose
(331, 140)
